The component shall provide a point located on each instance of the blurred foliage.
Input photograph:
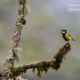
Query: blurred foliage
(41, 38)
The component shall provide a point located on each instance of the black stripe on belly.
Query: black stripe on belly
(63, 35)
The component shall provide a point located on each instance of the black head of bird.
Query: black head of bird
(64, 31)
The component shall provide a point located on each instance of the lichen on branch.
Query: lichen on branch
(42, 66)
(58, 57)
(23, 10)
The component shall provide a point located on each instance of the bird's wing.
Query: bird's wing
(71, 37)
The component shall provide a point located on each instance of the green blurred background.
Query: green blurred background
(41, 37)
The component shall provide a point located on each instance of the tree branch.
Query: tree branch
(23, 10)
(54, 63)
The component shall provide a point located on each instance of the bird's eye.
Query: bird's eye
(63, 31)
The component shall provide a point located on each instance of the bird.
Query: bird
(66, 36)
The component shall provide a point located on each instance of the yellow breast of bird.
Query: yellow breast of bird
(67, 36)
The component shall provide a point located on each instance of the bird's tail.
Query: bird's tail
(73, 39)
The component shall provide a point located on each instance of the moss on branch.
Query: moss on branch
(54, 63)
(23, 10)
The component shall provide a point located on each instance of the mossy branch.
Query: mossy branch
(23, 10)
(54, 63)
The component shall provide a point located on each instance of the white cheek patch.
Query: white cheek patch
(63, 31)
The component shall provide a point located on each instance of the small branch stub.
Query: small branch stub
(58, 57)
